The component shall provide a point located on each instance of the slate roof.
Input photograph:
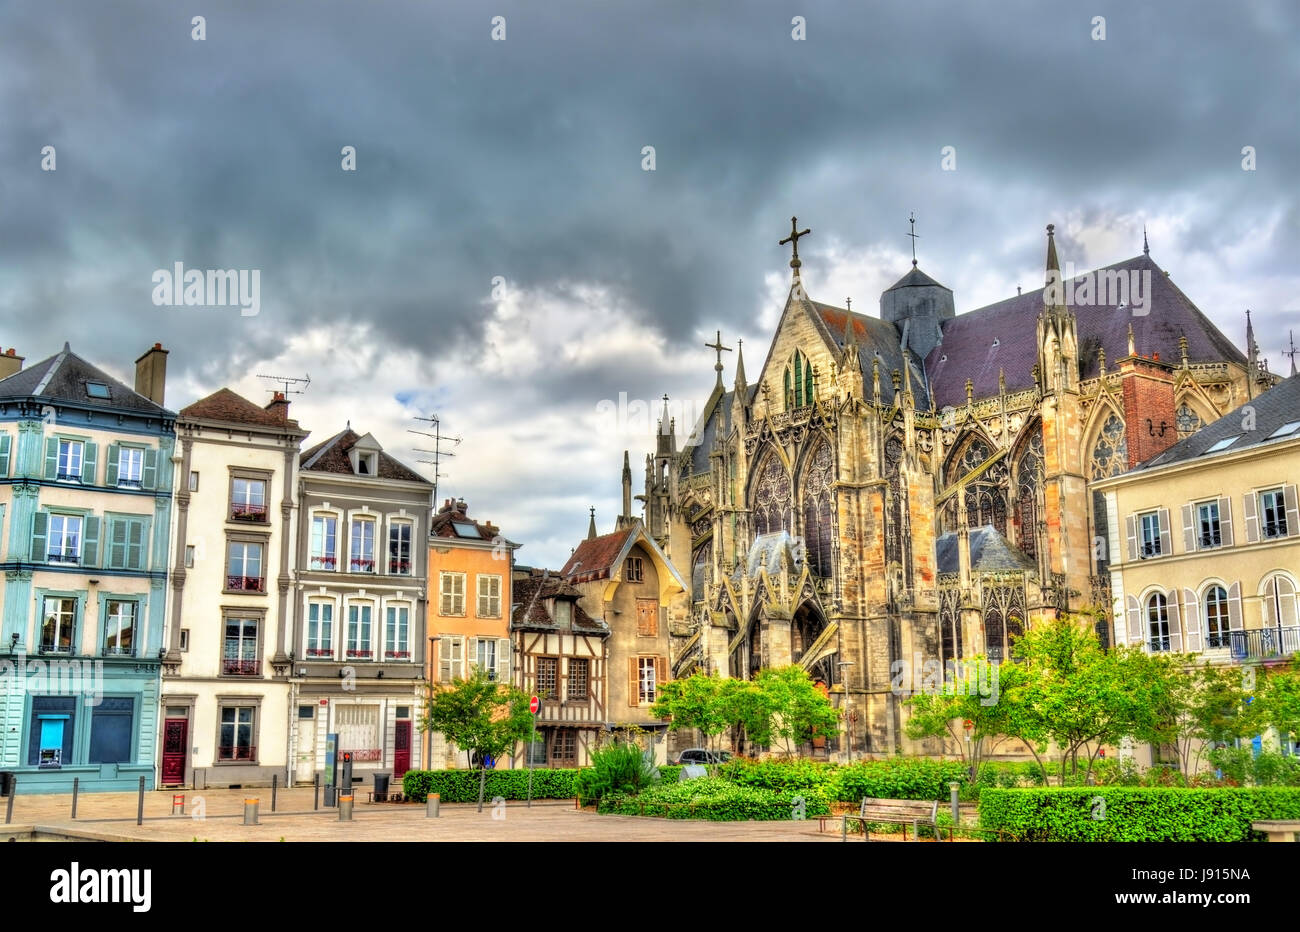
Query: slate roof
(231, 408)
(876, 337)
(700, 451)
(769, 551)
(915, 279)
(63, 377)
(332, 456)
(1275, 407)
(968, 338)
(530, 606)
(990, 552)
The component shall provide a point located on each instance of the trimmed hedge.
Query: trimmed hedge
(898, 778)
(1115, 813)
(716, 800)
(461, 786)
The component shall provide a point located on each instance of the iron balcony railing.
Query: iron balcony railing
(240, 752)
(247, 511)
(231, 666)
(1264, 643)
(246, 583)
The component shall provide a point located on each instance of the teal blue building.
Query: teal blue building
(85, 520)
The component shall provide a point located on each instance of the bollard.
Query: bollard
(139, 808)
(275, 784)
(9, 804)
(250, 811)
(431, 804)
(315, 802)
(76, 787)
(953, 789)
(345, 808)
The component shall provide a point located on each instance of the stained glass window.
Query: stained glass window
(1110, 452)
(1186, 420)
(1029, 480)
(771, 497)
(819, 471)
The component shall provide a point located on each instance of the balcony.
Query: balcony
(231, 666)
(1264, 643)
(114, 651)
(245, 583)
(48, 647)
(1148, 550)
(358, 654)
(1210, 541)
(64, 476)
(246, 752)
(66, 556)
(248, 512)
(324, 563)
(1217, 641)
(361, 565)
(1274, 529)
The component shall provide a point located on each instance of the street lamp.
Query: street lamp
(428, 738)
(848, 703)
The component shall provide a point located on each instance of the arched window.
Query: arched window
(1216, 617)
(799, 382)
(994, 637)
(1158, 622)
(1029, 480)
(771, 497)
(985, 500)
(1280, 609)
(1110, 452)
(819, 472)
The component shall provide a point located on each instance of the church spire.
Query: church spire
(1252, 356)
(591, 526)
(1146, 247)
(627, 487)
(741, 384)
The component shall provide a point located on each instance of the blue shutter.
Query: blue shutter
(89, 460)
(114, 460)
(51, 457)
(150, 474)
(135, 544)
(40, 523)
(5, 440)
(90, 542)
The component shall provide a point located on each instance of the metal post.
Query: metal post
(315, 802)
(139, 809)
(953, 788)
(345, 808)
(13, 791)
(76, 787)
(432, 803)
(250, 811)
(531, 742)
(275, 783)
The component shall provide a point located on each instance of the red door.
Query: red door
(401, 750)
(175, 742)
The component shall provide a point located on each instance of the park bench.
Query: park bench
(1278, 830)
(904, 812)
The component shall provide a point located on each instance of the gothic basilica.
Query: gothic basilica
(916, 485)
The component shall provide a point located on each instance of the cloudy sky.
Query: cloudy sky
(520, 162)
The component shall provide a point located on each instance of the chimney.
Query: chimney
(151, 373)
(1148, 391)
(461, 506)
(10, 363)
(279, 406)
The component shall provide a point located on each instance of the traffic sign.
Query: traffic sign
(534, 705)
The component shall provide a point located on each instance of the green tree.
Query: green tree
(796, 710)
(480, 716)
(1278, 702)
(694, 702)
(943, 712)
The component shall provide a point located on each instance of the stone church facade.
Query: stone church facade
(916, 486)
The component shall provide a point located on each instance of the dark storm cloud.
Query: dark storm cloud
(521, 159)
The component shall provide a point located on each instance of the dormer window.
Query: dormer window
(563, 612)
(364, 456)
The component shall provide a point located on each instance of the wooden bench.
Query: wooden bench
(904, 812)
(1279, 830)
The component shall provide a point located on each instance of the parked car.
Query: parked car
(702, 756)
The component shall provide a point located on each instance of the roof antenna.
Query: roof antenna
(288, 380)
(1292, 351)
(437, 436)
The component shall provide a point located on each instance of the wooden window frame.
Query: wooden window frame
(554, 692)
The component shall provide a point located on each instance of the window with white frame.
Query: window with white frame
(397, 634)
(239, 653)
(1280, 611)
(324, 542)
(1158, 622)
(244, 567)
(320, 629)
(1208, 530)
(1216, 617)
(1272, 507)
(248, 500)
(130, 467)
(59, 625)
(489, 596)
(492, 656)
(359, 631)
(236, 738)
(71, 453)
(1149, 528)
(451, 658)
(361, 557)
(645, 680)
(451, 590)
(63, 540)
(399, 548)
(119, 627)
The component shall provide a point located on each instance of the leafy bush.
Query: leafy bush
(461, 786)
(897, 778)
(793, 775)
(717, 800)
(1114, 813)
(1243, 767)
(618, 767)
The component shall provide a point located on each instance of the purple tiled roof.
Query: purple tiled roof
(968, 349)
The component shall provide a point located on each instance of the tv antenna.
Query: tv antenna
(438, 437)
(288, 380)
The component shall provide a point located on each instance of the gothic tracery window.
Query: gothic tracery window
(1029, 481)
(1110, 452)
(798, 382)
(986, 502)
(1186, 420)
(819, 472)
(771, 497)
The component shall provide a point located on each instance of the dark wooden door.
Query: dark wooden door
(401, 750)
(176, 734)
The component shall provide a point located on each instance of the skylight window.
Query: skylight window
(1224, 443)
(1286, 430)
(465, 530)
(97, 390)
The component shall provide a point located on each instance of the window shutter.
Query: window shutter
(1175, 627)
(1252, 518)
(1192, 621)
(1225, 521)
(634, 684)
(51, 457)
(1234, 607)
(1286, 602)
(1134, 620)
(90, 542)
(444, 606)
(661, 672)
(482, 596)
(1130, 529)
(89, 463)
(1189, 532)
(503, 660)
(444, 661)
(135, 546)
(40, 523)
(149, 474)
(114, 463)
(5, 441)
(1166, 539)
(117, 534)
(1292, 511)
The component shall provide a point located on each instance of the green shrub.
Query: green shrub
(1245, 768)
(717, 800)
(618, 767)
(1114, 813)
(897, 778)
(792, 775)
(461, 786)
